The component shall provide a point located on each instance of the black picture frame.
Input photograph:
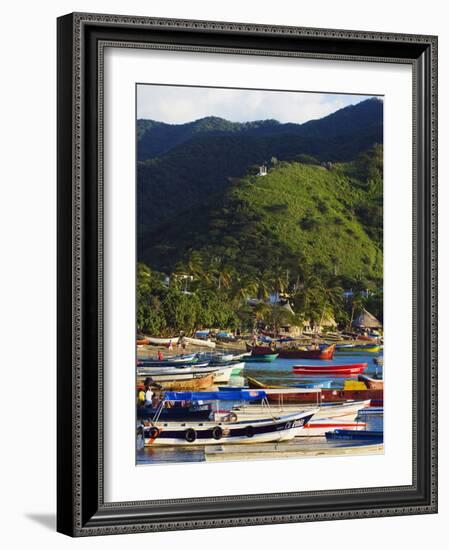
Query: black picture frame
(81, 510)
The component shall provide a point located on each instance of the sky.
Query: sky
(180, 104)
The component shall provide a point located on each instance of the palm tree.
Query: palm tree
(307, 296)
(220, 272)
(279, 315)
(357, 304)
(279, 281)
(263, 289)
(243, 289)
(332, 298)
(195, 265)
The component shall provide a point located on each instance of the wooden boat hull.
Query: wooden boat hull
(259, 350)
(214, 433)
(321, 384)
(327, 395)
(371, 383)
(335, 412)
(358, 350)
(200, 383)
(174, 341)
(319, 354)
(168, 374)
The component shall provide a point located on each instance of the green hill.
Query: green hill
(329, 218)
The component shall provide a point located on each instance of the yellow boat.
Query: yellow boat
(359, 349)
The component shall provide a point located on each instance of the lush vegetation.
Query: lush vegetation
(212, 234)
(181, 166)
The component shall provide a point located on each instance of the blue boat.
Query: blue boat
(354, 435)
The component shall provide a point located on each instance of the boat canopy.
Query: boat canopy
(232, 395)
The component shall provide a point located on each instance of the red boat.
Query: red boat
(327, 395)
(259, 350)
(331, 370)
(320, 354)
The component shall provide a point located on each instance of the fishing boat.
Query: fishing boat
(325, 353)
(319, 427)
(167, 341)
(258, 349)
(236, 366)
(352, 435)
(176, 374)
(368, 348)
(346, 410)
(339, 347)
(283, 428)
(223, 375)
(330, 370)
(176, 360)
(261, 358)
(320, 384)
(371, 383)
(326, 395)
(201, 382)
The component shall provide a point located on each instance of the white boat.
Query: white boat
(341, 411)
(172, 374)
(224, 374)
(174, 341)
(262, 430)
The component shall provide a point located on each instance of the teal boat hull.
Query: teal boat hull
(261, 358)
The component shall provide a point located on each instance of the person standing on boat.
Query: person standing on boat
(170, 345)
(160, 355)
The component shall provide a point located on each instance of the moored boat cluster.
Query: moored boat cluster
(226, 396)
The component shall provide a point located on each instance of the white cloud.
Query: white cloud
(179, 104)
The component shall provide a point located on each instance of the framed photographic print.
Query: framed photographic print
(246, 274)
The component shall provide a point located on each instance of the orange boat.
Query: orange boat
(320, 354)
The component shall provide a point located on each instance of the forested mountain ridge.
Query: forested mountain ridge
(156, 138)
